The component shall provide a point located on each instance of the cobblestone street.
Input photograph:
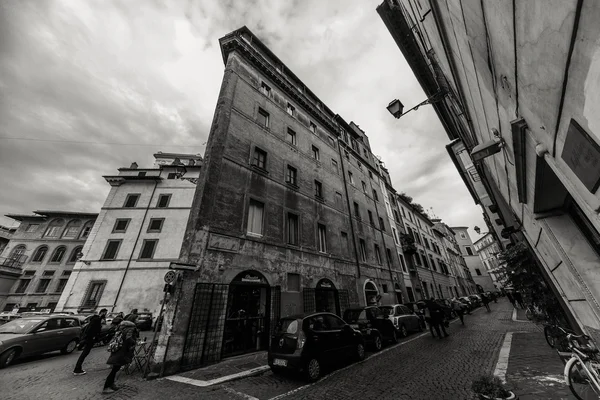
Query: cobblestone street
(419, 368)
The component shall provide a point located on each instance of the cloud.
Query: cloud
(149, 72)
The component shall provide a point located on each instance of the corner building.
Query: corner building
(289, 216)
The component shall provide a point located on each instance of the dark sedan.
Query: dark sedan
(374, 325)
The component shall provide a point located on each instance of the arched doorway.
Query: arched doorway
(327, 297)
(398, 291)
(247, 316)
(371, 293)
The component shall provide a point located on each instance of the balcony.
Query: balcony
(12, 264)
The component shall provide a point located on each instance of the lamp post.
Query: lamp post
(396, 107)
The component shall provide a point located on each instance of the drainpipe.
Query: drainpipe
(431, 267)
(134, 245)
(349, 209)
(382, 237)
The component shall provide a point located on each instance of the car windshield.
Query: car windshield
(387, 310)
(287, 326)
(20, 325)
(352, 316)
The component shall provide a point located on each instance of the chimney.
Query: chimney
(133, 165)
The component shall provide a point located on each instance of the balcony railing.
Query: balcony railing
(13, 262)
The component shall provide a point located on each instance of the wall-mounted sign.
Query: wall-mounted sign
(325, 284)
(582, 155)
(250, 277)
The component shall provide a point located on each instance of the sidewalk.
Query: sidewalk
(535, 371)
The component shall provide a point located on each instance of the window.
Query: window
(469, 250)
(396, 217)
(375, 195)
(334, 165)
(318, 189)
(131, 200)
(94, 293)
(263, 118)
(347, 155)
(291, 175)
(344, 240)
(163, 200)
(338, 199)
(424, 258)
(363, 250)
(322, 231)
(403, 262)
(364, 186)
(463, 235)
(110, 252)
(426, 242)
(42, 286)
(40, 253)
(155, 224)
(370, 175)
(356, 210)
(477, 271)
(29, 273)
(291, 136)
(9, 306)
(351, 177)
(260, 158)
(293, 282)
(292, 229)
(72, 229)
(265, 89)
(121, 225)
(54, 228)
(377, 254)
(86, 230)
(313, 127)
(331, 141)
(384, 287)
(417, 259)
(371, 217)
(359, 165)
(291, 109)
(381, 224)
(48, 273)
(141, 173)
(66, 273)
(388, 252)
(32, 228)
(255, 217)
(432, 263)
(171, 175)
(22, 287)
(31, 305)
(315, 153)
(58, 255)
(148, 247)
(411, 295)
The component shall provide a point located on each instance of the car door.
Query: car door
(340, 340)
(319, 338)
(41, 339)
(71, 329)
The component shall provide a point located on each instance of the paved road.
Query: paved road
(419, 368)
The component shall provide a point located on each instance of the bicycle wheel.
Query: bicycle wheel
(550, 334)
(580, 385)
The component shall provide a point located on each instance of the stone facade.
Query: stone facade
(488, 249)
(131, 275)
(479, 273)
(43, 250)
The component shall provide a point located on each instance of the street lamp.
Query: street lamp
(396, 108)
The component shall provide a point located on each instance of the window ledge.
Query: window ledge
(293, 186)
(320, 198)
(259, 169)
(254, 235)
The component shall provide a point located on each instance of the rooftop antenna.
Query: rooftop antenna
(433, 214)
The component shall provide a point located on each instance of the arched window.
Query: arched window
(58, 254)
(39, 254)
(74, 255)
(54, 228)
(72, 229)
(18, 252)
(86, 230)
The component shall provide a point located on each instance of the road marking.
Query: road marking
(502, 363)
(197, 382)
(242, 395)
(514, 316)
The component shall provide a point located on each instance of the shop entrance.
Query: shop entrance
(371, 294)
(247, 316)
(327, 297)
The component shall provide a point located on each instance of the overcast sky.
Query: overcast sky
(143, 76)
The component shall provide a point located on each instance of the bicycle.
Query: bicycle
(583, 368)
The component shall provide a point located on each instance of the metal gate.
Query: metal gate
(308, 300)
(344, 300)
(205, 331)
(275, 309)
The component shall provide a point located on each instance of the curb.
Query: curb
(228, 378)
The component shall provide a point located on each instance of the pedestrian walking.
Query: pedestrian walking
(88, 339)
(457, 307)
(518, 299)
(118, 319)
(122, 348)
(132, 316)
(486, 301)
(437, 318)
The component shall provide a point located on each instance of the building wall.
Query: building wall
(131, 282)
(476, 268)
(34, 271)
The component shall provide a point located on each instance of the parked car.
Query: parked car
(404, 319)
(7, 317)
(476, 300)
(374, 325)
(447, 308)
(110, 316)
(144, 321)
(306, 343)
(465, 300)
(37, 335)
(106, 333)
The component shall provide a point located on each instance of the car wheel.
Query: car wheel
(377, 343)
(360, 352)
(394, 338)
(70, 347)
(8, 357)
(403, 331)
(313, 370)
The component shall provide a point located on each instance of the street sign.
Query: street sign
(170, 276)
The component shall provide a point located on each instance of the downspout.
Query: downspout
(381, 233)
(349, 209)
(431, 267)
(135, 245)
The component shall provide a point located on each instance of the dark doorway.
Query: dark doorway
(326, 297)
(398, 293)
(247, 316)
(371, 294)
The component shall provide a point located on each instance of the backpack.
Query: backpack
(116, 343)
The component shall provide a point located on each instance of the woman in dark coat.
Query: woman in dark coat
(123, 356)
